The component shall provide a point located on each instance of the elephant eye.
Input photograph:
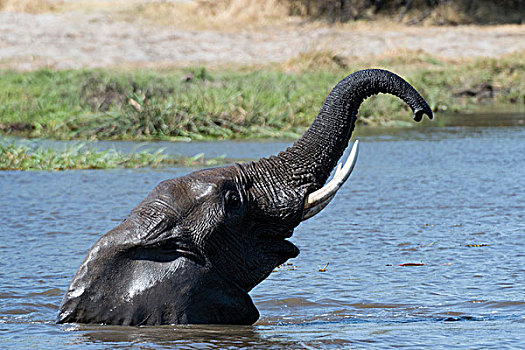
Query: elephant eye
(232, 199)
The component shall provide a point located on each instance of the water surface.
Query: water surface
(450, 198)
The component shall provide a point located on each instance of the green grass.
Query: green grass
(238, 103)
(14, 157)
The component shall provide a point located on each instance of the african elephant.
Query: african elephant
(193, 249)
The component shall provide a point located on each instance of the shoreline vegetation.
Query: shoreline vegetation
(272, 101)
(227, 101)
(19, 157)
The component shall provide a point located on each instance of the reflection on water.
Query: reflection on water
(449, 200)
(173, 336)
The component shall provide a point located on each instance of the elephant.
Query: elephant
(192, 250)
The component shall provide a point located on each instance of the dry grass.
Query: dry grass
(28, 6)
(228, 15)
(403, 59)
(250, 14)
(242, 10)
(86, 6)
(451, 13)
(235, 15)
(315, 60)
(222, 14)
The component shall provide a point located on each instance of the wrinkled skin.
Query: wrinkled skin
(195, 247)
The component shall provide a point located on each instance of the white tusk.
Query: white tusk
(308, 213)
(317, 200)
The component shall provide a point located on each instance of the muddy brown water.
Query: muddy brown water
(450, 198)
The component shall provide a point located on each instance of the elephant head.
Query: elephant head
(194, 248)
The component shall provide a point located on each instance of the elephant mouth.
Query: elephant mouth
(275, 235)
(277, 243)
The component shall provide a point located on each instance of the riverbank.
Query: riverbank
(271, 101)
(20, 157)
(145, 70)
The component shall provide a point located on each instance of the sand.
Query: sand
(100, 39)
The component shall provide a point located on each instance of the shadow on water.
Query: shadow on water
(186, 336)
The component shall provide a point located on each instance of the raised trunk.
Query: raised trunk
(311, 159)
(280, 184)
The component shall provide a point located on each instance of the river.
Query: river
(449, 199)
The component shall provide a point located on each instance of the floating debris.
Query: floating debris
(412, 264)
(476, 245)
(285, 266)
(324, 268)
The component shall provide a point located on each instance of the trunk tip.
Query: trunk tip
(419, 113)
